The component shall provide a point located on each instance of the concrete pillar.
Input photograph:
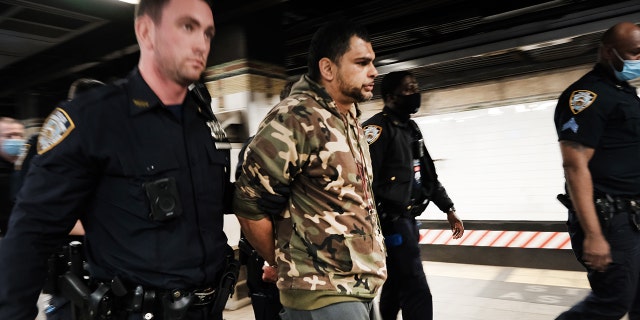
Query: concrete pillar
(244, 80)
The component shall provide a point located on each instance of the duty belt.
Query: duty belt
(203, 296)
(139, 296)
(608, 205)
(618, 204)
(166, 303)
(626, 204)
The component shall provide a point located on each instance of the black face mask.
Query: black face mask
(408, 104)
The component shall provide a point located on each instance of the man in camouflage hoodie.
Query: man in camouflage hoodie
(310, 153)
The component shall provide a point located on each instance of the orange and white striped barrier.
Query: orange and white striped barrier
(491, 238)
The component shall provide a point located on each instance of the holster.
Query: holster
(175, 307)
(605, 208)
(635, 219)
(227, 283)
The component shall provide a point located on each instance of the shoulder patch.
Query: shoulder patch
(372, 133)
(55, 128)
(581, 99)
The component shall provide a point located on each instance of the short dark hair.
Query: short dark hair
(332, 41)
(153, 8)
(391, 81)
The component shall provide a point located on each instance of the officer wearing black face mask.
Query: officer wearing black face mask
(405, 181)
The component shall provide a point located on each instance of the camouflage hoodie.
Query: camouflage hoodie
(329, 245)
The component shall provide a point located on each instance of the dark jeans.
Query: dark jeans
(406, 287)
(615, 291)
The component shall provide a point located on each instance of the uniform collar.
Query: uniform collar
(141, 97)
(609, 77)
(395, 117)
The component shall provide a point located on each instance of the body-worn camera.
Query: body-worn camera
(163, 199)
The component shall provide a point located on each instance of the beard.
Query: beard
(180, 71)
(356, 93)
(187, 75)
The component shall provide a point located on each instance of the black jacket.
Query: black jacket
(6, 192)
(104, 146)
(390, 139)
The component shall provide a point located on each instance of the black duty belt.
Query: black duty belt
(150, 300)
(203, 296)
(609, 205)
(618, 204)
(627, 204)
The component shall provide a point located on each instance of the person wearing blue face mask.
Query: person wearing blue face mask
(630, 68)
(11, 145)
(597, 120)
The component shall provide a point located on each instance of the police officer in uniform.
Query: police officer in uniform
(598, 124)
(144, 164)
(405, 181)
(58, 307)
(78, 86)
(11, 145)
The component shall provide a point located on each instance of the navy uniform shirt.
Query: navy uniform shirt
(602, 113)
(390, 141)
(96, 152)
(6, 196)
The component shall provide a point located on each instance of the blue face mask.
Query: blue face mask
(630, 69)
(13, 147)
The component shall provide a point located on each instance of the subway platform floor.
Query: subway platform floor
(480, 292)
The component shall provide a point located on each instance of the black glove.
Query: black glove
(274, 204)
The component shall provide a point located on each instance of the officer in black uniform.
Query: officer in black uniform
(145, 165)
(78, 86)
(598, 123)
(59, 306)
(405, 181)
(11, 145)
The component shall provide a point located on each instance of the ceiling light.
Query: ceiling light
(545, 44)
(388, 60)
(131, 1)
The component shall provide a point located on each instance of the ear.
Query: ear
(326, 68)
(145, 29)
(606, 52)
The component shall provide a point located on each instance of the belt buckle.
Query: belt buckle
(203, 296)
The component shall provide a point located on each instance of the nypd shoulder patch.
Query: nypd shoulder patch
(581, 99)
(372, 133)
(55, 128)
